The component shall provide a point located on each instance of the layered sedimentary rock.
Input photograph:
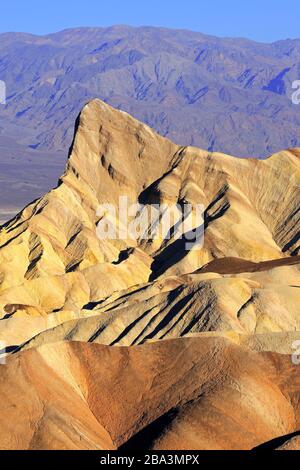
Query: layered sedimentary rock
(232, 300)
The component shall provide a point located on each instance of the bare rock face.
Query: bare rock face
(222, 94)
(291, 444)
(193, 393)
(208, 333)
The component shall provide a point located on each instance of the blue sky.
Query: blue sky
(262, 20)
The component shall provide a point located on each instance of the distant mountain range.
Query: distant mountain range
(221, 94)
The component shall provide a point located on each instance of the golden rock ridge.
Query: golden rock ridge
(231, 309)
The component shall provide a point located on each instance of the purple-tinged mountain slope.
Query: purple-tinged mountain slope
(229, 95)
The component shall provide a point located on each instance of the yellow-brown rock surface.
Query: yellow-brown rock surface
(192, 393)
(193, 345)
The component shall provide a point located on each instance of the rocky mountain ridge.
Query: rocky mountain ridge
(192, 333)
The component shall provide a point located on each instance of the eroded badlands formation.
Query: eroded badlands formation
(145, 343)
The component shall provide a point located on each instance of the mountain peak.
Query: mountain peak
(230, 303)
(114, 156)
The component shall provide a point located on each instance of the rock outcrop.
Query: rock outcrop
(201, 337)
(192, 393)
